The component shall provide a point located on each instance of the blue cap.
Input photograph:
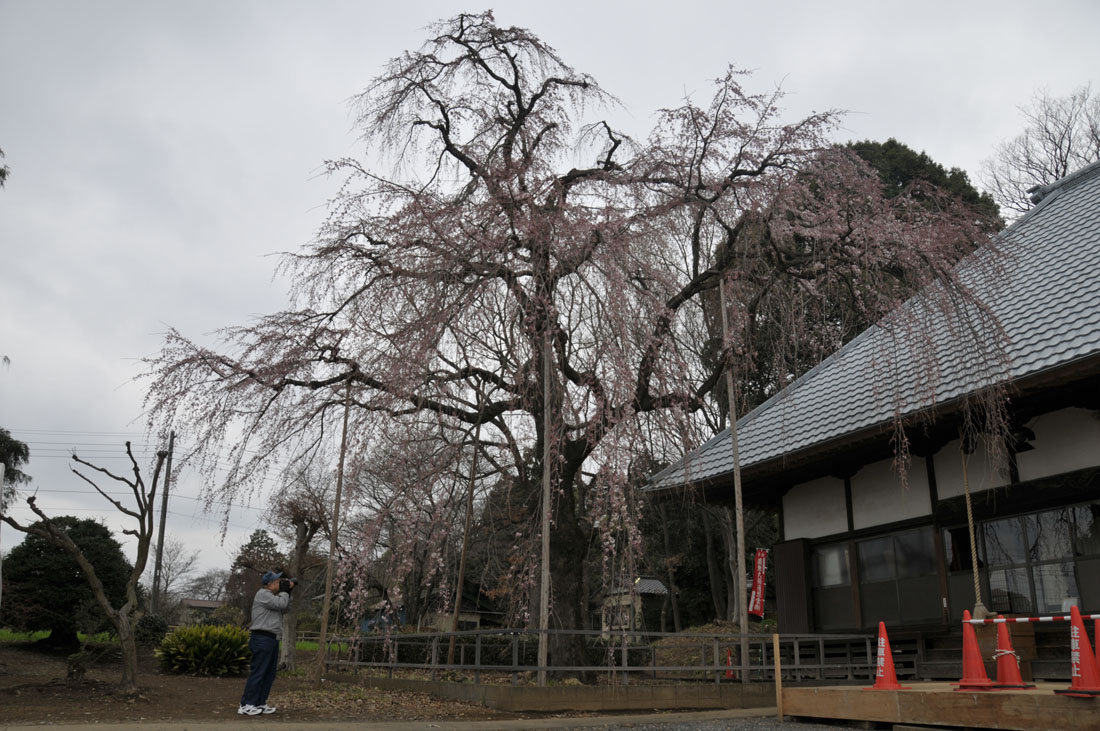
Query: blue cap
(271, 576)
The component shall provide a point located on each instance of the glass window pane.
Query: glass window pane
(1004, 542)
(831, 565)
(956, 541)
(876, 559)
(1087, 518)
(915, 553)
(1055, 587)
(1009, 592)
(1048, 535)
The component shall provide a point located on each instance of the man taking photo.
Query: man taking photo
(268, 607)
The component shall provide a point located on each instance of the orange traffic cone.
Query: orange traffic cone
(729, 665)
(1084, 675)
(1008, 665)
(974, 675)
(885, 679)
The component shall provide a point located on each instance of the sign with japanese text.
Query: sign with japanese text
(760, 564)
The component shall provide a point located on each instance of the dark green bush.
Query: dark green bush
(205, 650)
(150, 629)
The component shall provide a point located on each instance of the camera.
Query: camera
(287, 585)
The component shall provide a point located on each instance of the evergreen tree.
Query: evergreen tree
(259, 554)
(14, 454)
(44, 588)
(900, 166)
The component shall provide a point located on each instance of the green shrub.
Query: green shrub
(151, 629)
(205, 650)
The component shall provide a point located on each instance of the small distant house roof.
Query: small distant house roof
(203, 603)
(643, 586)
(1045, 295)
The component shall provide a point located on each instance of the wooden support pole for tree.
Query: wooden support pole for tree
(547, 454)
(465, 542)
(322, 649)
(778, 678)
(742, 579)
(980, 612)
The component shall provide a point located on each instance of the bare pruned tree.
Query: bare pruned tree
(176, 569)
(209, 585)
(142, 513)
(527, 267)
(1061, 134)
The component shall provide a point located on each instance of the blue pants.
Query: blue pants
(261, 675)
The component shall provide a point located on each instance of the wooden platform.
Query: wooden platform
(939, 704)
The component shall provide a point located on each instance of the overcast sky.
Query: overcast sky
(161, 152)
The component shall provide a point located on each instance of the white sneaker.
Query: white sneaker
(250, 710)
(266, 709)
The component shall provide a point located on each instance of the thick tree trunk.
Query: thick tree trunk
(128, 645)
(60, 638)
(568, 600)
(288, 647)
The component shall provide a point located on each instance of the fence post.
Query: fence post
(477, 659)
(515, 659)
(435, 657)
(778, 679)
(717, 665)
(820, 659)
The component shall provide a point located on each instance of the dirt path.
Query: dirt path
(33, 690)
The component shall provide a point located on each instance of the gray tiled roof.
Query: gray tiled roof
(1045, 294)
(643, 586)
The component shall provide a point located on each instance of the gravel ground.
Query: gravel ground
(733, 724)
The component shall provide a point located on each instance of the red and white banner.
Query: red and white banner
(760, 565)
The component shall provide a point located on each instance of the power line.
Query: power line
(115, 513)
(125, 494)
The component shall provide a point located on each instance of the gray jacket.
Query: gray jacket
(267, 611)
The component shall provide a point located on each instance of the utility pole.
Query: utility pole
(163, 517)
(742, 579)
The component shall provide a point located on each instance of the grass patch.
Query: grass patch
(311, 646)
(8, 635)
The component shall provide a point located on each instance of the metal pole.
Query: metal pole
(742, 579)
(322, 649)
(163, 517)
